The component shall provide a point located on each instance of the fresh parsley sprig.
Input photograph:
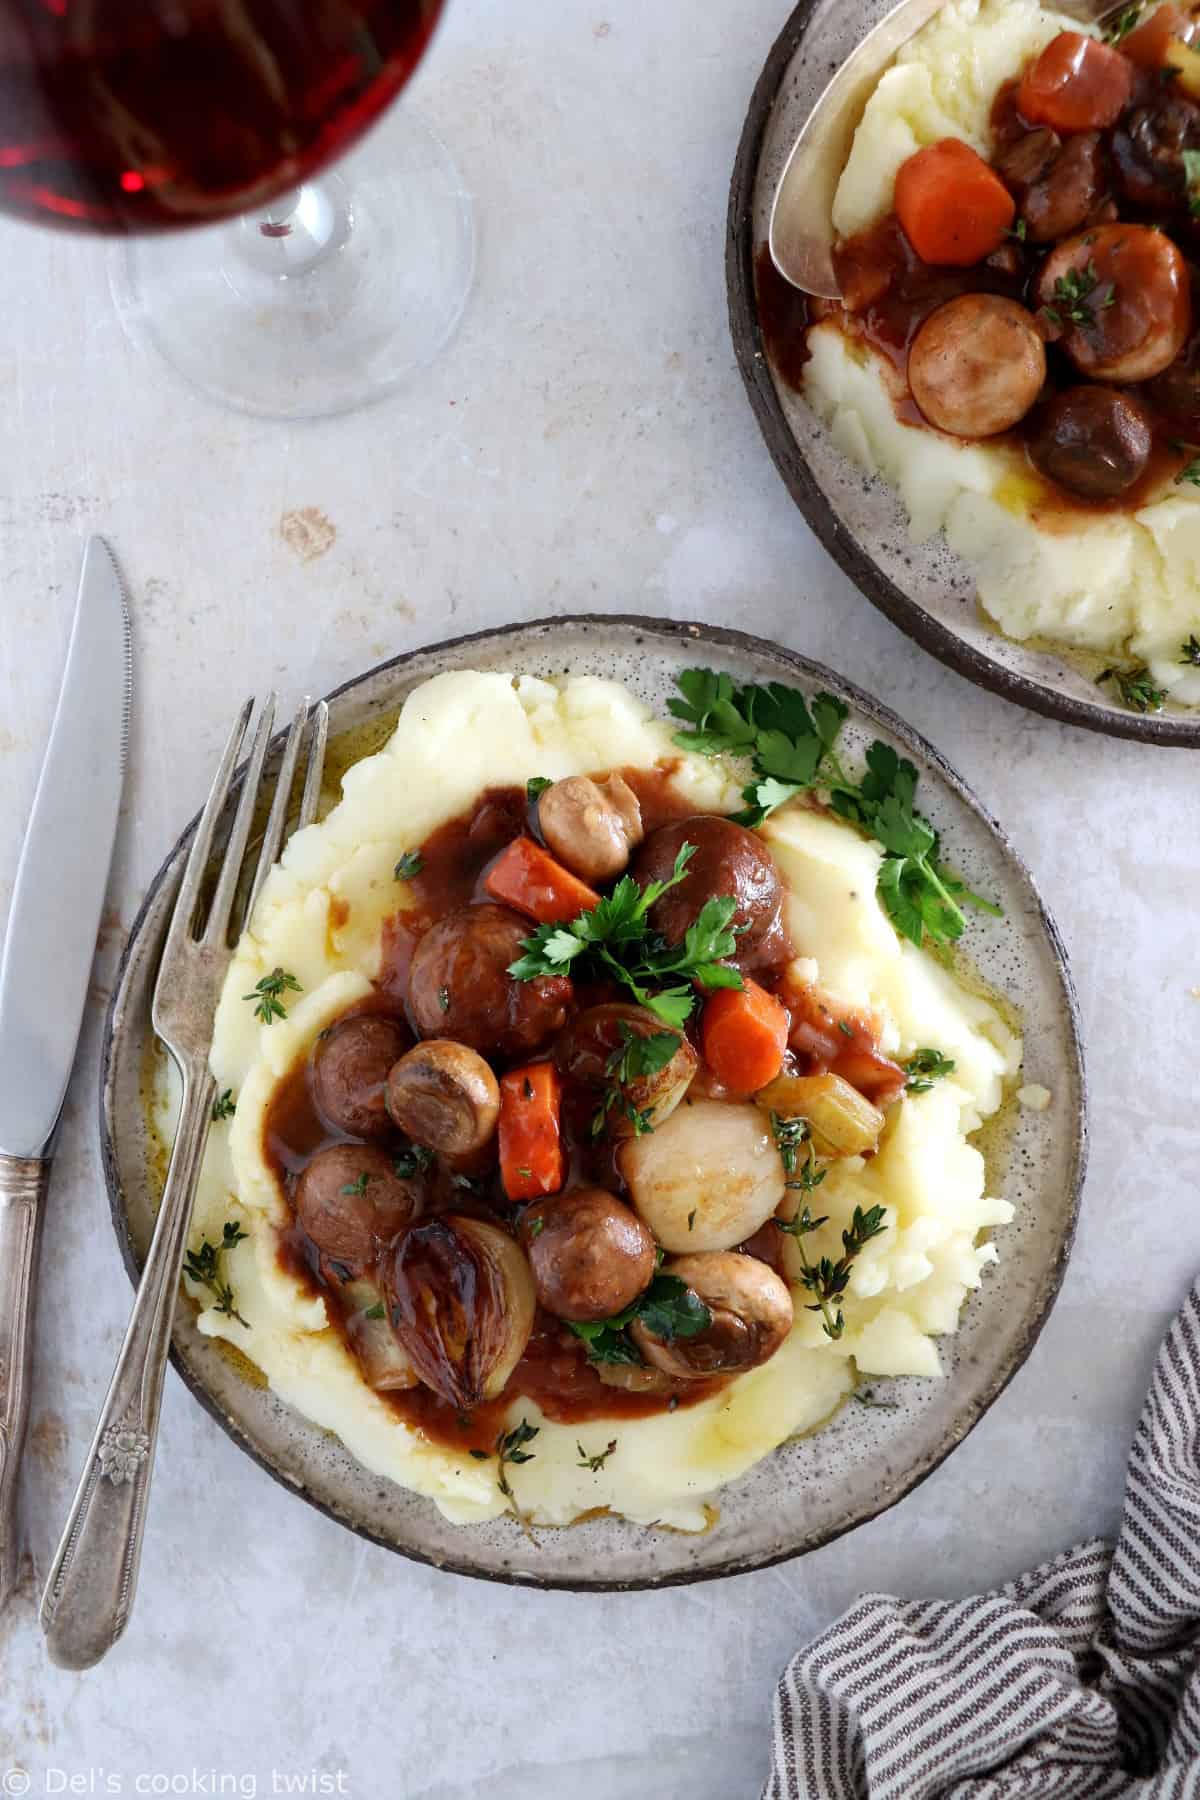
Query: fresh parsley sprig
(669, 1309)
(409, 866)
(615, 940)
(204, 1267)
(1075, 298)
(1136, 688)
(224, 1106)
(793, 748)
(635, 1058)
(267, 995)
(924, 1067)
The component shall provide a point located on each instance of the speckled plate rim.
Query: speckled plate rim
(677, 633)
(789, 458)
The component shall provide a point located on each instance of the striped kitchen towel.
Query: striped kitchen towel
(1077, 1682)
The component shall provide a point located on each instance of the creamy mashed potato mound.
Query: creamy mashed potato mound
(320, 917)
(1113, 582)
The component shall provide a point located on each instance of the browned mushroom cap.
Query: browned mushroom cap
(461, 1301)
(444, 1096)
(591, 826)
(751, 1316)
(349, 1072)
(590, 1049)
(591, 1256)
(351, 1202)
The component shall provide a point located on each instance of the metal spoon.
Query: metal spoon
(802, 234)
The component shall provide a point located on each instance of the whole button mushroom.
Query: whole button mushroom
(751, 1315)
(591, 1255)
(349, 1073)
(445, 1097)
(591, 826)
(977, 365)
(728, 861)
(1121, 295)
(1093, 441)
(351, 1203)
(459, 985)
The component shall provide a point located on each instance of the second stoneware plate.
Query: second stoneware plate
(923, 588)
(811, 1489)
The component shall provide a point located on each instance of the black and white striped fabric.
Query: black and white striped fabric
(1077, 1682)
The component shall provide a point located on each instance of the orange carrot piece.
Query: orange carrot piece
(1149, 44)
(744, 1032)
(531, 1151)
(1076, 84)
(954, 209)
(527, 877)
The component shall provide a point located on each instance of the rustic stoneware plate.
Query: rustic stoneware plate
(808, 1491)
(923, 588)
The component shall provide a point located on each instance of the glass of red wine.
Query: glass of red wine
(313, 290)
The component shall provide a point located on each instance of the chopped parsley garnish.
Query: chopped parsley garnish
(634, 1059)
(1075, 298)
(792, 749)
(1136, 688)
(925, 1067)
(360, 1186)
(536, 786)
(410, 865)
(594, 1463)
(668, 1309)
(614, 942)
(378, 1311)
(412, 1161)
(224, 1106)
(444, 998)
(267, 995)
(1190, 473)
(1020, 231)
(205, 1268)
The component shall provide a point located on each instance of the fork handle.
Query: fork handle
(90, 1589)
(23, 1184)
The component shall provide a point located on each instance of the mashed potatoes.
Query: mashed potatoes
(320, 917)
(1112, 583)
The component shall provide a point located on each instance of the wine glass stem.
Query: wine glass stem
(298, 230)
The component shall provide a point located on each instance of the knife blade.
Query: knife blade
(57, 900)
(63, 871)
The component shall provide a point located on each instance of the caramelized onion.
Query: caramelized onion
(462, 1302)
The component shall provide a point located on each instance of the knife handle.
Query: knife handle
(90, 1588)
(23, 1184)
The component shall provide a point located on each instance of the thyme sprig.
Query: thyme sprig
(205, 1267)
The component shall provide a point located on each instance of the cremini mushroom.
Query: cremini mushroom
(751, 1314)
(445, 1097)
(591, 826)
(590, 1254)
(351, 1202)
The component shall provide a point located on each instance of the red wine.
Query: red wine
(143, 115)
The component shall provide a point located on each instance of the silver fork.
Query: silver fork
(90, 1589)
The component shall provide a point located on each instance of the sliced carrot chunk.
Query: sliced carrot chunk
(531, 1151)
(744, 1032)
(954, 209)
(1076, 84)
(527, 877)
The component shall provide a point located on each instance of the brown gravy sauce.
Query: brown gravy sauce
(554, 1370)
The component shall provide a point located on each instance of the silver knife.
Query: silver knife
(57, 902)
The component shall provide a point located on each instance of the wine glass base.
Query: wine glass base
(329, 302)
